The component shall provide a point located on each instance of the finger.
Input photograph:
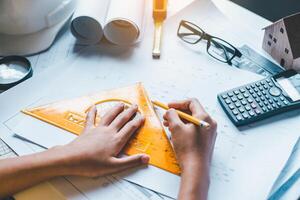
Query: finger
(130, 161)
(124, 117)
(91, 118)
(166, 123)
(173, 120)
(193, 105)
(180, 105)
(129, 129)
(112, 114)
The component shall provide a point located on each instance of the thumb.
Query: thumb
(131, 161)
(90, 118)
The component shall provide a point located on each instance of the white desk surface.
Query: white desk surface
(238, 14)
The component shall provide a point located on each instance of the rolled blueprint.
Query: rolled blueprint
(120, 21)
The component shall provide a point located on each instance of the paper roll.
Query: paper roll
(120, 21)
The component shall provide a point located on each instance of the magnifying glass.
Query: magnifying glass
(14, 70)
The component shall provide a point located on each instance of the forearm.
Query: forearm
(194, 182)
(19, 173)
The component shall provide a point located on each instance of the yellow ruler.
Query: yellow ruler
(159, 15)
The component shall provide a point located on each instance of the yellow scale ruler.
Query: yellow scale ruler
(151, 139)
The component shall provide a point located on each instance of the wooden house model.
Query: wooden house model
(282, 41)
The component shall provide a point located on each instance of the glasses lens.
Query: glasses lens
(221, 50)
(189, 33)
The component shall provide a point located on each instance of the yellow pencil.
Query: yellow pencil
(183, 115)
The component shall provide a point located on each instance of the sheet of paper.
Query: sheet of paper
(244, 163)
(289, 175)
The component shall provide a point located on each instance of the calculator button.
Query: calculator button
(275, 99)
(257, 111)
(255, 89)
(257, 99)
(224, 96)
(262, 82)
(275, 91)
(271, 84)
(253, 105)
(269, 107)
(240, 97)
(234, 99)
(261, 104)
(238, 104)
(241, 109)
(274, 105)
(259, 94)
(242, 90)
(231, 106)
(268, 80)
(264, 109)
(251, 91)
(250, 100)
(236, 92)
(247, 107)
(264, 92)
(260, 87)
(248, 87)
(230, 94)
(267, 97)
(266, 103)
(270, 101)
(279, 104)
(262, 98)
(254, 95)
(266, 87)
(235, 112)
(285, 102)
(251, 113)
(282, 98)
(257, 84)
(246, 95)
(227, 101)
(239, 118)
(245, 115)
(253, 86)
(244, 102)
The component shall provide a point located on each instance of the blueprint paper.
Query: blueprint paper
(244, 163)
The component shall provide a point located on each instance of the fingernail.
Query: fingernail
(145, 159)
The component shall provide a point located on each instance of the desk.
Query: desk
(253, 43)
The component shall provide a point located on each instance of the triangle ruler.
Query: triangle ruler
(150, 139)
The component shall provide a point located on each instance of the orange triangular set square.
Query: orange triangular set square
(151, 138)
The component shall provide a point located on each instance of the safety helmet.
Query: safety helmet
(30, 26)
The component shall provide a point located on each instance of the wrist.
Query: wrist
(193, 161)
(60, 160)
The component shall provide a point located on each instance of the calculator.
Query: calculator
(262, 99)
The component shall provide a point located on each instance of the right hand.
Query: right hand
(192, 144)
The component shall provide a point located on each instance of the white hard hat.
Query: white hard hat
(30, 26)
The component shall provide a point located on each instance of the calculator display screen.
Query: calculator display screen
(291, 86)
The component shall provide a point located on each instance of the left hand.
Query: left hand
(95, 152)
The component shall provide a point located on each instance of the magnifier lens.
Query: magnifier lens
(12, 71)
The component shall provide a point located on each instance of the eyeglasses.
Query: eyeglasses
(216, 47)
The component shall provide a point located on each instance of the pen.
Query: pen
(183, 115)
(159, 15)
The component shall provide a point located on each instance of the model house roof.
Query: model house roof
(292, 25)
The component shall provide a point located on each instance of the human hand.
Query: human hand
(95, 152)
(192, 144)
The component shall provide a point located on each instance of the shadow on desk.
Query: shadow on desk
(272, 120)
